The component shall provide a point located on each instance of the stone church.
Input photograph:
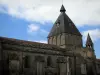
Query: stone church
(63, 55)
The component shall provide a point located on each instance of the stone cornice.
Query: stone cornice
(30, 44)
(34, 47)
(34, 50)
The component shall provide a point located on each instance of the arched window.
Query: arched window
(49, 61)
(26, 61)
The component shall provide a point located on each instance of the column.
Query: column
(62, 66)
(40, 65)
(68, 70)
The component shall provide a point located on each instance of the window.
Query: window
(26, 61)
(70, 64)
(49, 61)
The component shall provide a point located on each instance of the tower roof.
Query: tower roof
(63, 24)
(89, 41)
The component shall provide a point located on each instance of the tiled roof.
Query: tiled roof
(63, 25)
(12, 41)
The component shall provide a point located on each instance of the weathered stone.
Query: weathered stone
(63, 55)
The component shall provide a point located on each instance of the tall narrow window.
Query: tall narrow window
(49, 61)
(26, 62)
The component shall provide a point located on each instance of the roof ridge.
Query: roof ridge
(25, 42)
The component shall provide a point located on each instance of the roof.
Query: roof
(5, 40)
(63, 24)
(19, 43)
(89, 41)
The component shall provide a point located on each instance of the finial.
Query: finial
(62, 9)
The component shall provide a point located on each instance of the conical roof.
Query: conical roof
(63, 25)
(89, 41)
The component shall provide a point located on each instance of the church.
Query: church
(63, 55)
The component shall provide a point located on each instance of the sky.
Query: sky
(32, 20)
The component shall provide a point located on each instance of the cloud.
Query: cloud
(94, 34)
(33, 28)
(82, 12)
(35, 32)
(41, 41)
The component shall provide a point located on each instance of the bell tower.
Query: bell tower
(64, 32)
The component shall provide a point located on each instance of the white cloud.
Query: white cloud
(33, 28)
(41, 41)
(94, 34)
(80, 11)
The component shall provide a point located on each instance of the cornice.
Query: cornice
(34, 50)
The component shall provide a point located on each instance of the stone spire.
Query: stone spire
(89, 42)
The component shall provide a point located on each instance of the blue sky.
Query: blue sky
(32, 20)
